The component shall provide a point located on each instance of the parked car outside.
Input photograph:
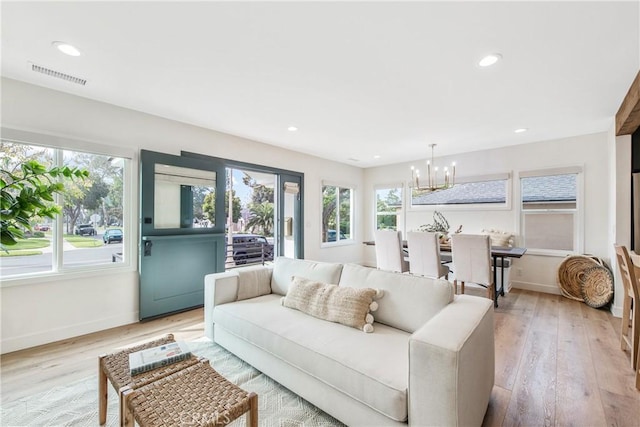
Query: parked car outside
(248, 248)
(85, 230)
(42, 227)
(331, 236)
(112, 235)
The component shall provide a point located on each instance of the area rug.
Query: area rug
(76, 404)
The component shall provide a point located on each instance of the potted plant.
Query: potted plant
(26, 193)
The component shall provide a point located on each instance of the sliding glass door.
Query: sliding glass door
(263, 212)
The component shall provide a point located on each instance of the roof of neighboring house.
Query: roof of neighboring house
(556, 188)
(535, 189)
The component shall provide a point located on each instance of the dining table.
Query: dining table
(497, 252)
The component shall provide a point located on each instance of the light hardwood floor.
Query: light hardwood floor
(558, 362)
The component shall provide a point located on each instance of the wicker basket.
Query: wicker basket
(597, 286)
(570, 274)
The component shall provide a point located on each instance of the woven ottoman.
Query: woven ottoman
(115, 367)
(195, 396)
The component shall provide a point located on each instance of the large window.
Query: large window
(487, 190)
(92, 228)
(550, 210)
(388, 207)
(337, 213)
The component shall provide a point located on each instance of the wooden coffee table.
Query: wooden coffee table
(196, 396)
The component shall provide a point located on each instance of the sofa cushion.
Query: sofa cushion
(340, 304)
(371, 368)
(285, 268)
(253, 281)
(409, 301)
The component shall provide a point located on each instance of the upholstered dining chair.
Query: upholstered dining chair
(472, 261)
(630, 331)
(389, 253)
(424, 255)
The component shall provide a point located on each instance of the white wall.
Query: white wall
(530, 272)
(36, 312)
(620, 231)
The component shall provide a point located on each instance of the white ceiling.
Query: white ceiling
(357, 78)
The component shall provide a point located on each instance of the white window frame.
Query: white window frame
(402, 210)
(351, 239)
(507, 177)
(578, 212)
(59, 271)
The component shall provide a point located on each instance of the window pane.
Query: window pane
(336, 214)
(329, 214)
(549, 206)
(32, 254)
(463, 194)
(388, 205)
(549, 231)
(543, 192)
(180, 195)
(93, 211)
(345, 214)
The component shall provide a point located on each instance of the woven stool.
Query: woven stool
(195, 396)
(115, 366)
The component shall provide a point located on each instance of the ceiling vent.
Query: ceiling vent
(351, 159)
(58, 74)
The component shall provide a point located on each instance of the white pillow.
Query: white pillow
(500, 238)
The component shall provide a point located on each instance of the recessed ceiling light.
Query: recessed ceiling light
(377, 156)
(489, 60)
(520, 130)
(66, 48)
(292, 128)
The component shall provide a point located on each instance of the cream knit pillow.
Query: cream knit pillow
(340, 304)
(500, 238)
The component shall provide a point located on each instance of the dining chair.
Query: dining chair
(389, 253)
(630, 331)
(472, 261)
(424, 255)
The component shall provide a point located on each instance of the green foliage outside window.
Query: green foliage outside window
(27, 194)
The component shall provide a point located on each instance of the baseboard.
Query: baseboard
(536, 287)
(616, 310)
(9, 345)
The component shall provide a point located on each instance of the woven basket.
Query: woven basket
(597, 286)
(570, 274)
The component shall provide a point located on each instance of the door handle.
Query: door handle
(147, 247)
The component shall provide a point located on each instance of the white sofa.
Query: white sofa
(429, 361)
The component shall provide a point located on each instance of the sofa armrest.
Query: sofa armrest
(219, 288)
(229, 286)
(452, 365)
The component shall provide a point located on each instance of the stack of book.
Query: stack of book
(157, 357)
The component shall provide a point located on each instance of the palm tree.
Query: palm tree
(261, 218)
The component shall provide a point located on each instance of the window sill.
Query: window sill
(47, 277)
(550, 253)
(466, 207)
(347, 242)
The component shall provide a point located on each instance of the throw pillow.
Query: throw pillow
(500, 238)
(340, 304)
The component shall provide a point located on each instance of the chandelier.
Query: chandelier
(431, 184)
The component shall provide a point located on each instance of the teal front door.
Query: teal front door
(182, 224)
